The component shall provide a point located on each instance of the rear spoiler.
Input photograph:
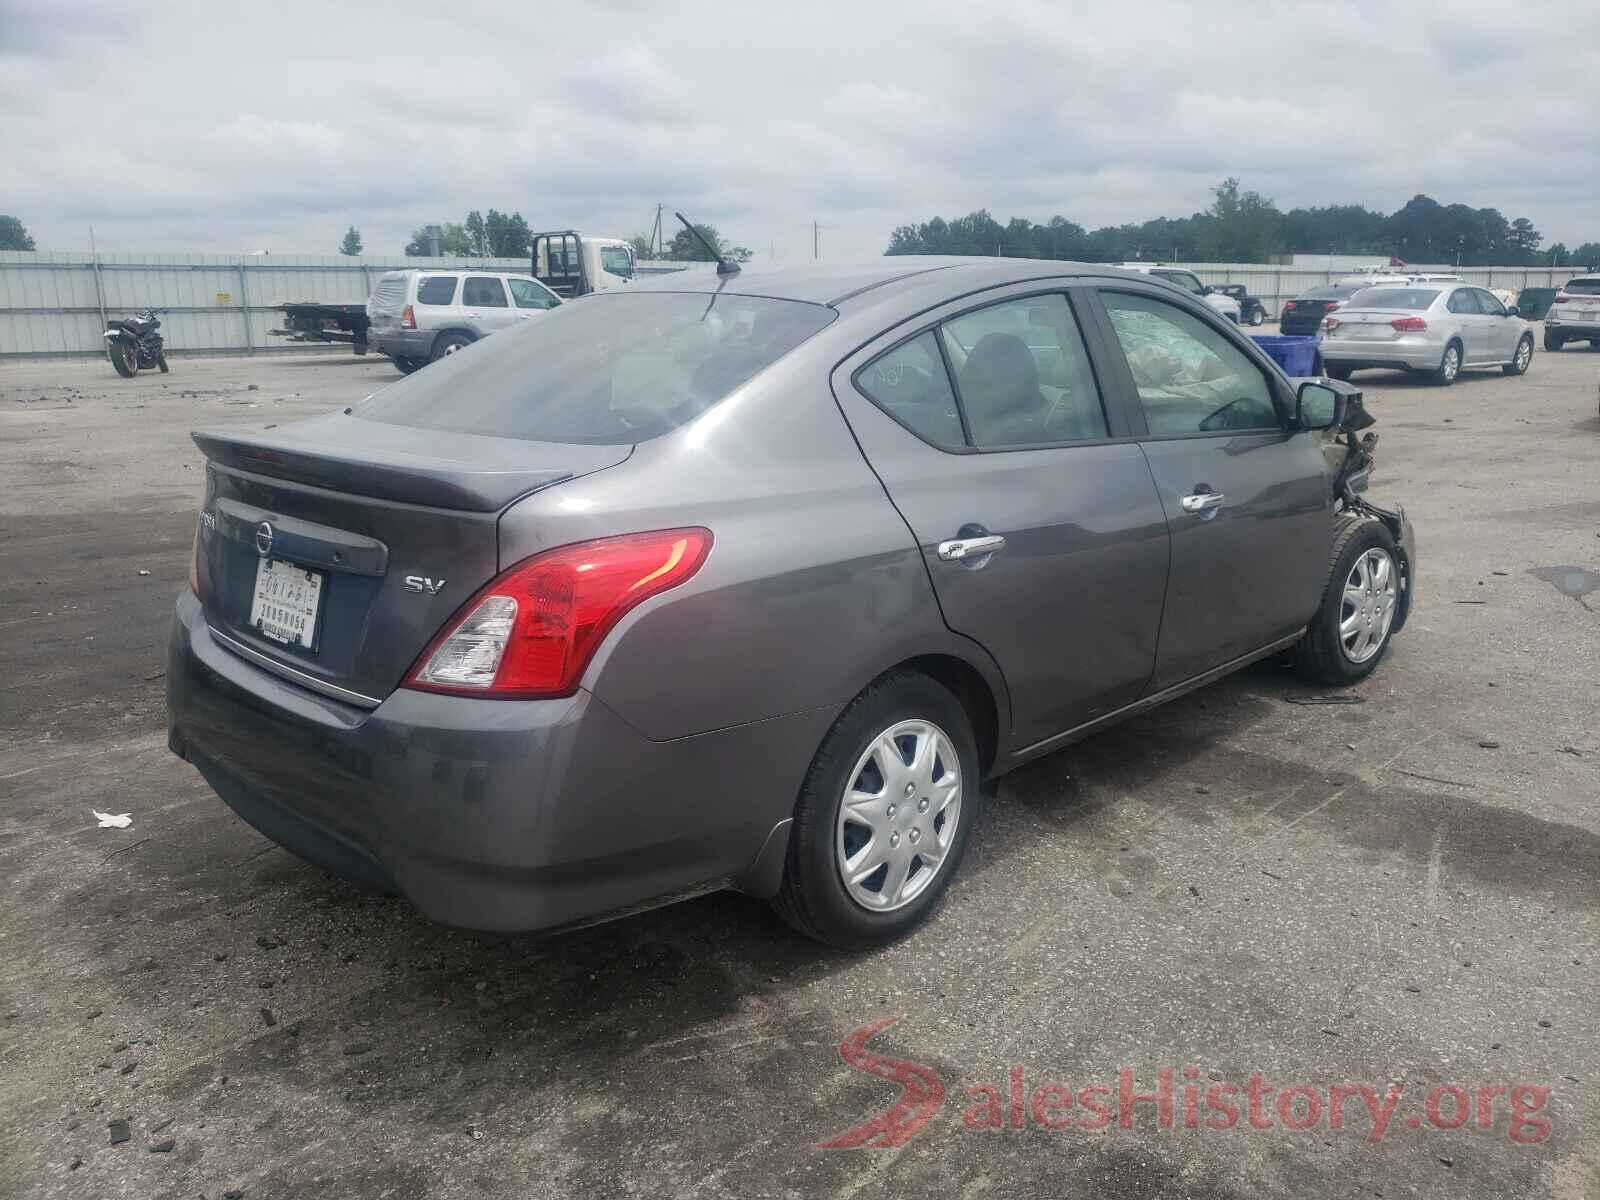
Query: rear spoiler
(482, 475)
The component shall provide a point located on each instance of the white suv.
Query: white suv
(1189, 282)
(1574, 316)
(420, 315)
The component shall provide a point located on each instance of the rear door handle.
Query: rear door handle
(972, 547)
(1202, 502)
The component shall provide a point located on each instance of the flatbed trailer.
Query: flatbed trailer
(308, 321)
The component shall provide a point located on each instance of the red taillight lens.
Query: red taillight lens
(531, 633)
(1331, 323)
(1289, 306)
(1409, 324)
(408, 318)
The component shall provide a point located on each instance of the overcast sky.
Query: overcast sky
(273, 125)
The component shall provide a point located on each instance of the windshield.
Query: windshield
(1394, 297)
(609, 370)
(1583, 287)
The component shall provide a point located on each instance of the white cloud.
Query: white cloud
(220, 128)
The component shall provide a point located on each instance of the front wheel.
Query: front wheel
(884, 815)
(1519, 364)
(1351, 632)
(124, 358)
(1449, 365)
(1257, 316)
(161, 362)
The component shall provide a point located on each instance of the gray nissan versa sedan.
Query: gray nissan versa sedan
(753, 580)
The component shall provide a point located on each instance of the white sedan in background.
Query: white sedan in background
(1435, 329)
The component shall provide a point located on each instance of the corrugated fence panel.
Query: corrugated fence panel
(51, 301)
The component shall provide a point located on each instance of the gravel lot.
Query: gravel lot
(1403, 890)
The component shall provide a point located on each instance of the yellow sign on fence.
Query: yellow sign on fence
(224, 297)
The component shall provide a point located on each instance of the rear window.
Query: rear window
(1582, 287)
(436, 289)
(1394, 297)
(1332, 292)
(609, 371)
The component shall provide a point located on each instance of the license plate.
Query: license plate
(286, 600)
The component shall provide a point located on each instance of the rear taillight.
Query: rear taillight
(1409, 324)
(1329, 324)
(1289, 306)
(532, 632)
(408, 318)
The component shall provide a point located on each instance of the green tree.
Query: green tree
(1524, 240)
(507, 236)
(453, 242)
(1587, 255)
(352, 241)
(14, 235)
(477, 235)
(685, 247)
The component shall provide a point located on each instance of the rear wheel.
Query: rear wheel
(450, 343)
(1524, 357)
(408, 364)
(1257, 316)
(125, 359)
(884, 815)
(1449, 365)
(1553, 341)
(1339, 372)
(1351, 632)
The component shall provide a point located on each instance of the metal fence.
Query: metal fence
(56, 303)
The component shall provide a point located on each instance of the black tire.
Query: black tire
(161, 362)
(1445, 373)
(1339, 372)
(812, 897)
(1553, 341)
(449, 343)
(124, 359)
(1321, 656)
(1523, 360)
(408, 364)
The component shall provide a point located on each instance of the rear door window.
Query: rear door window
(1463, 302)
(436, 289)
(1191, 378)
(483, 291)
(1022, 374)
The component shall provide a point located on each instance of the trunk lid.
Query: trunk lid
(1367, 326)
(333, 550)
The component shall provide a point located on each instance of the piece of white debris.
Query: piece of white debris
(113, 821)
(142, 571)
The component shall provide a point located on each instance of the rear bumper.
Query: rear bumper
(1572, 329)
(505, 815)
(1402, 352)
(402, 343)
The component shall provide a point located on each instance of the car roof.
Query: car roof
(837, 283)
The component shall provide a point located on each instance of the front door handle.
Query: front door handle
(972, 547)
(1202, 502)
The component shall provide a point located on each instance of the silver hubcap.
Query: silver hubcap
(1452, 362)
(1524, 353)
(452, 347)
(899, 815)
(1367, 610)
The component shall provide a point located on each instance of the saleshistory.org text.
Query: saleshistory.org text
(1170, 1097)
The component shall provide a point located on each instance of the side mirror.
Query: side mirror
(1321, 404)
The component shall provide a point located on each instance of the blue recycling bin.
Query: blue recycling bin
(1296, 355)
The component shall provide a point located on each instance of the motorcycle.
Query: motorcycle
(134, 343)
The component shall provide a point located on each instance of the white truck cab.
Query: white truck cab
(573, 264)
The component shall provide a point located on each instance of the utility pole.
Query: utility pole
(816, 241)
(655, 234)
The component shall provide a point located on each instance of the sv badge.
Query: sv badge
(421, 583)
